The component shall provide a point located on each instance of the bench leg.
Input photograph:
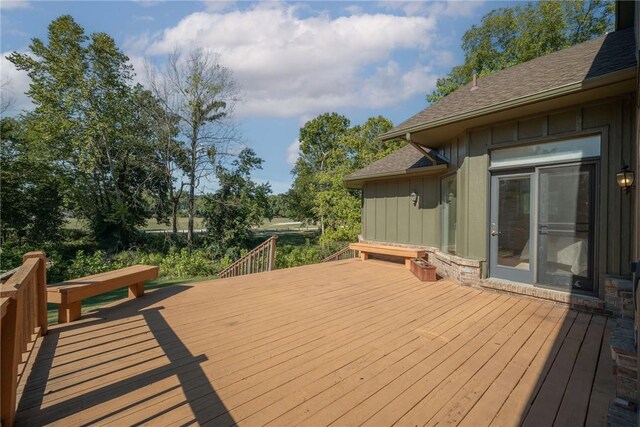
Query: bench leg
(407, 263)
(69, 312)
(136, 290)
(364, 256)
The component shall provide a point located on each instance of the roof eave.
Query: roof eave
(358, 181)
(595, 82)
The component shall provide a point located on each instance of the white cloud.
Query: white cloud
(15, 4)
(218, 5)
(293, 152)
(289, 65)
(15, 84)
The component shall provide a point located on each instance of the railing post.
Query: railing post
(41, 289)
(272, 252)
(9, 342)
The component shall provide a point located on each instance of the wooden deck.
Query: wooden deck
(343, 343)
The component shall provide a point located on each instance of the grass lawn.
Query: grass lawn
(91, 304)
(152, 225)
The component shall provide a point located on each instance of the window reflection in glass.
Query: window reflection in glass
(514, 222)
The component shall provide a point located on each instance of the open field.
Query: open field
(153, 226)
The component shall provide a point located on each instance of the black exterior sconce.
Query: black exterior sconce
(625, 179)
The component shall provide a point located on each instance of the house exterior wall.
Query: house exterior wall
(388, 214)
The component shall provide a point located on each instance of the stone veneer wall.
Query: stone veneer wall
(619, 303)
(618, 296)
(467, 271)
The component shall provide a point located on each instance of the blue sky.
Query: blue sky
(292, 60)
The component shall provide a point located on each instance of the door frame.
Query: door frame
(512, 273)
(592, 231)
(596, 212)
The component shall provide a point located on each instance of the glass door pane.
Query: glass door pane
(564, 237)
(511, 227)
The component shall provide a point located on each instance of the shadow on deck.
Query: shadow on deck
(348, 342)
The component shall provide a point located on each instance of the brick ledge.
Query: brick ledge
(578, 301)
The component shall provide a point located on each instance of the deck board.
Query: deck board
(347, 343)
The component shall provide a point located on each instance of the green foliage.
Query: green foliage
(86, 265)
(279, 206)
(509, 36)
(200, 93)
(319, 139)
(309, 253)
(185, 263)
(92, 121)
(330, 150)
(237, 205)
(31, 195)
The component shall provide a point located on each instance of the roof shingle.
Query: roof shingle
(594, 58)
(403, 159)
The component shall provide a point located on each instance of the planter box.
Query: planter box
(423, 270)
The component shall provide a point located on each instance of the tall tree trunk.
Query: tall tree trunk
(191, 207)
(174, 216)
(174, 209)
(192, 190)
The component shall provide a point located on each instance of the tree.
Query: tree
(172, 159)
(279, 206)
(90, 118)
(329, 150)
(237, 205)
(509, 36)
(201, 94)
(6, 98)
(319, 138)
(357, 148)
(31, 197)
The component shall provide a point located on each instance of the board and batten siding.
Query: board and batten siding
(389, 215)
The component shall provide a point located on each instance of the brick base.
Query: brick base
(467, 271)
(625, 362)
(618, 296)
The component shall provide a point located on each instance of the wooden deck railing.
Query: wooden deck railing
(23, 317)
(259, 259)
(345, 253)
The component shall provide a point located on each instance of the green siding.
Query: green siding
(391, 229)
(388, 214)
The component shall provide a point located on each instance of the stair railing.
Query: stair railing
(259, 259)
(345, 253)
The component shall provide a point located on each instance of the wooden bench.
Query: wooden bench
(69, 295)
(407, 253)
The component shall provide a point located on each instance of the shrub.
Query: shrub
(184, 264)
(86, 265)
(293, 256)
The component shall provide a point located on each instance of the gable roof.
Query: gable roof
(406, 160)
(589, 60)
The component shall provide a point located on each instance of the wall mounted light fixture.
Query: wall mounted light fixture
(625, 179)
(414, 198)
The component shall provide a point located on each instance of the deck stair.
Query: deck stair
(344, 253)
(259, 259)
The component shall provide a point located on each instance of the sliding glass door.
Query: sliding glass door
(565, 234)
(541, 227)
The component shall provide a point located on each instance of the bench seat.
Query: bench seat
(407, 253)
(69, 295)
